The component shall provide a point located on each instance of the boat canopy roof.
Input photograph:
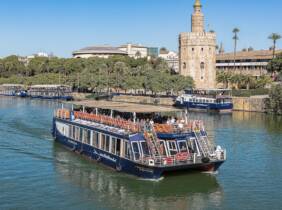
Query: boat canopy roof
(124, 107)
(208, 91)
(49, 86)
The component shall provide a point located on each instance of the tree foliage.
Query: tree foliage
(275, 102)
(241, 81)
(275, 65)
(118, 73)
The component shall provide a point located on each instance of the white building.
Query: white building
(98, 51)
(135, 51)
(172, 59)
(27, 59)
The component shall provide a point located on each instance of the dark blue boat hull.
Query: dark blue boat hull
(65, 98)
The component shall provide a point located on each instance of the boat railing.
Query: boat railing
(64, 114)
(178, 159)
(107, 120)
(127, 125)
(174, 160)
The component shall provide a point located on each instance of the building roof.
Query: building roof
(124, 107)
(132, 45)
(250, 55)
(100, 50)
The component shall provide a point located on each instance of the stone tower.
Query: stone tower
(197, 52)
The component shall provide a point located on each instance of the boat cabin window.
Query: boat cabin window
(103, 142)
(118, 147)
(126, 150)
(76, 133)
(145, 149)
(87, 136)
(80, 134)
(136, 150)
(107, 144)
(163, 148)
(182, 145)
(172, 148)
(95, 139)
(113, 145)
(71, 132)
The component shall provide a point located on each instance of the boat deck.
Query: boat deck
(101, 126)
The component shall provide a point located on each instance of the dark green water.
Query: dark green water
(36, 173)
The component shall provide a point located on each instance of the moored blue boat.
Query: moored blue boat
(219, 101)
(149, 151)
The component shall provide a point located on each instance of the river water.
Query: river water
(36, 173)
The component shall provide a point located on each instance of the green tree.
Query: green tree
(275, 67)
(275, 101)
(12, 66)
(224, 78)
(120, 75)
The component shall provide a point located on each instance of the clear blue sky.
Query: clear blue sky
(61, 26)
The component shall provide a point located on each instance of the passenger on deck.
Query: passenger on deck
(168, 121)
(180, 125)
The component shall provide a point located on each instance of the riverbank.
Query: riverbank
(251, 104)
(246, 104)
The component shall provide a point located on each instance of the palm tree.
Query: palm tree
(223, 77)
(274, 37)
(235, 38)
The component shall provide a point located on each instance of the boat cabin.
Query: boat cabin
(11, 89)
(50, 91)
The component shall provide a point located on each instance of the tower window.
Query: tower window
(202, 49)
(193, 49)
(184, 65)
(202, 70)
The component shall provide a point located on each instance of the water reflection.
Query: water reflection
(122, 191)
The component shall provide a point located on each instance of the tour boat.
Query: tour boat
(55, 92)
(124, 142)
(219, 100)
(11, 89)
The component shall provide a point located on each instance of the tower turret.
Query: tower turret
(198, 18)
